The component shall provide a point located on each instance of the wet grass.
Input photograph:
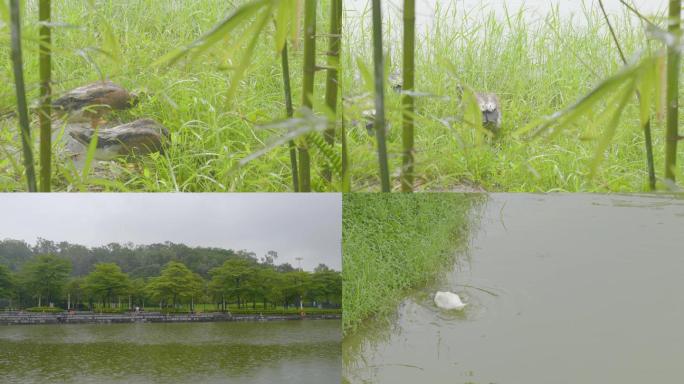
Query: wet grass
(210, 133)
(537, 66)
(392, 243)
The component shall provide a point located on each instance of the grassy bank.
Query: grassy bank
(537, 65)
(210, 133)
(392, 243)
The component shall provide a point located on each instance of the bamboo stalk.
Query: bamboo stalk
(22, 108)
(648, 139)
(673, 60)
(308, 88)
(346, 175)
(331, 86)
(45, 112)
(408, 103)
(379, 123)
(290, 112)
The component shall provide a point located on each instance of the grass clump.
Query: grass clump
(212, 129)
(395, 242)
(537, 66)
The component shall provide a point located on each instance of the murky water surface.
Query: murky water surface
(560, 289)
(270, 352)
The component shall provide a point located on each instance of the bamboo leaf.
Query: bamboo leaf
(4, 12)
(328, 151)
(111, 43)
(573, 113)
(246, 60)
(223, 29)
(611, 128)
(366, 74)
(284, 17)
(472, 115)
(90, 155)
(647, 84)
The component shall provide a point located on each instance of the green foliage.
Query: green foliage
(106, 282)
(6, 282)
(211, 106)
(45, 277)
(110, 310)
(101, 276)
(175, 283)
(392, 243)
(45, 309)
(537, 67)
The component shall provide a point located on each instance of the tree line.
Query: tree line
(170, 276)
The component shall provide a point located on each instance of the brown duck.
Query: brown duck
(139, 137)
(91, 102)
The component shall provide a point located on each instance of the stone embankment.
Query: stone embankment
(28, 318)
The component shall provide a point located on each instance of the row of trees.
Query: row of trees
(136, 260)
(242, 280)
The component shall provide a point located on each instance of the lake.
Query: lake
(250, 352)
(559, 289)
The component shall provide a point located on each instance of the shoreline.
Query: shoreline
(150, 317)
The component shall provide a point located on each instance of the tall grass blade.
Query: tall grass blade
(221, 30)
(332, 83)
(89, 157)
(290, 113)
(643, 104)
(307, 89)
(20, 87)
(379, 124)
(407, 99)
(45, 111)
(673, 61)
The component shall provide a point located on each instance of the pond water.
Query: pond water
(264, 352)
(559, 289)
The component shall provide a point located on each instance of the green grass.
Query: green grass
(392, 243)
(210, 133)
(536, 68)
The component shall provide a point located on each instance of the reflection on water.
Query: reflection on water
(560, 289)
(283, 352)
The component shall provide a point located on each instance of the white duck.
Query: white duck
(448, 300)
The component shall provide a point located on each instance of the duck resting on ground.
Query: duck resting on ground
(139, 137)
(91, 102)
(448, 301)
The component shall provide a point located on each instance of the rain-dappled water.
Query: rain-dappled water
(560, 289)
(270, 352)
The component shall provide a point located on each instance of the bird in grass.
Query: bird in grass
(490, 106)
(395, 81)
(91, 102)
(448, 301)
(491, 111)
(139, 137)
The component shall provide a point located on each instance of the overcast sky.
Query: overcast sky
(294, 225)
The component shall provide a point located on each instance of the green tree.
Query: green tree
(295, 287)
(231, 278)
(75, 290)
(106, 283)
(45, 277)
(176, 282)
(326, 286)
(137, 292)
(6, 282)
